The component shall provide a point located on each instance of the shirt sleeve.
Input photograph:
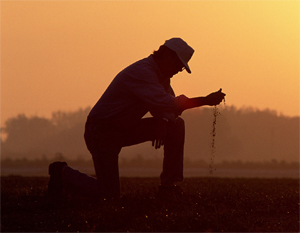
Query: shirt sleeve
(144, 85)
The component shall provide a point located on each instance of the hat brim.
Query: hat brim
(185, 64)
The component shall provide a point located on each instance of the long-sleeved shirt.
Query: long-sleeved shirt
(133, 92)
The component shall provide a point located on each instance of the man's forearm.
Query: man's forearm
(194, 102)
(212, 99)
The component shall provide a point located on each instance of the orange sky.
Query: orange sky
(61, 55)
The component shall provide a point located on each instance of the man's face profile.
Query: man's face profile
(172, 65)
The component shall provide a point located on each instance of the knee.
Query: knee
(180, 123)
(176, 131)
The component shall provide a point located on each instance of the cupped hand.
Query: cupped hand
(215, 98)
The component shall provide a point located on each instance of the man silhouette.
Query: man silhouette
(117, 121)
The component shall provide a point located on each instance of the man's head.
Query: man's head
(182, 49)
(173, 56)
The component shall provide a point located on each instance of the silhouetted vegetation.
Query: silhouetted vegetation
(35, 137)
(206, 205)
(246, 135)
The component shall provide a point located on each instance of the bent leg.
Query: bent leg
(173, 153)
(79, 182)
(144, 130)
(107, 170)
(104, 148)
(173, 147)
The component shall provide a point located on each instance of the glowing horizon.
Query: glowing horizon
(62, 55)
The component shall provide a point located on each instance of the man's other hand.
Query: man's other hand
(215, 98)
(160, 133)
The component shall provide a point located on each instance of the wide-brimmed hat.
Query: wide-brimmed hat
(182, 49)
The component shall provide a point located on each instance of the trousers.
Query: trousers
(105, 143)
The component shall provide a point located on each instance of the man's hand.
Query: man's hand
(214, 98)
(160, 133)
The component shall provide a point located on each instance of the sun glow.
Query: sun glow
(62, 55)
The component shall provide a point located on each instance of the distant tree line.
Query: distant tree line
(35, 137)
(246, 135)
